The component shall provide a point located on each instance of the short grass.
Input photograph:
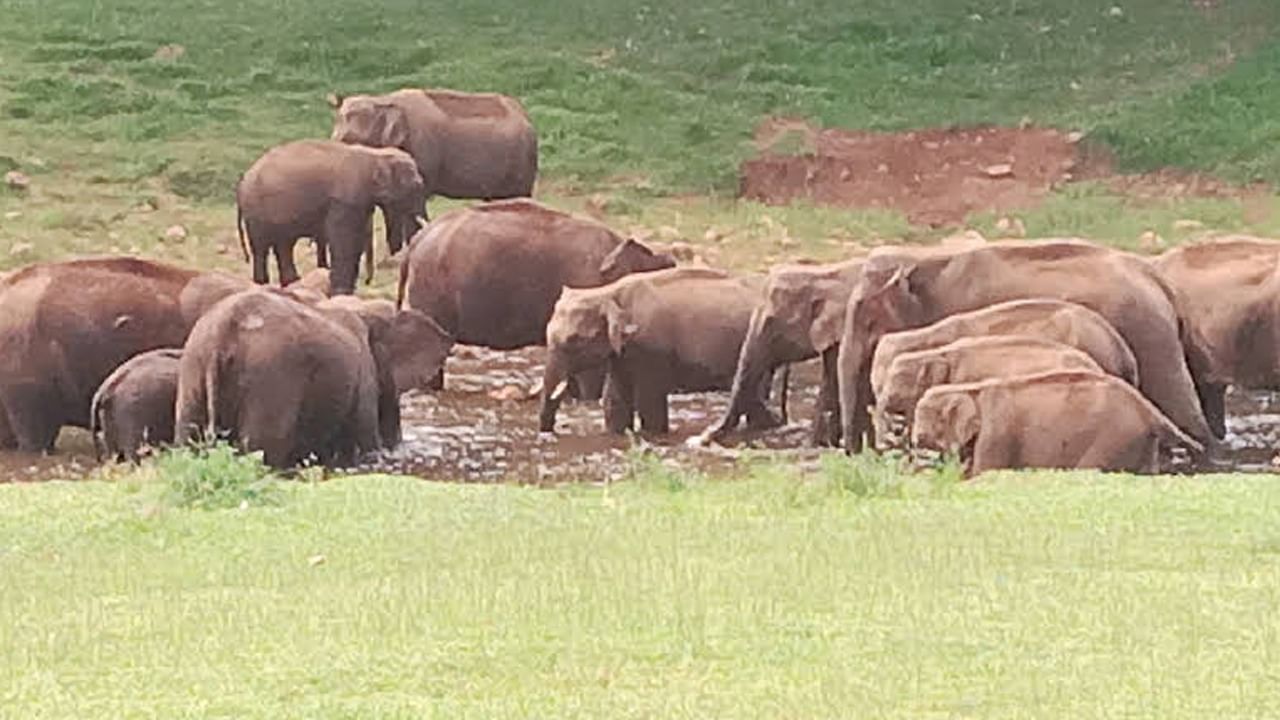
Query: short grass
(834, 595)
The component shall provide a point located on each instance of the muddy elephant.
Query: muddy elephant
(67, 325)
(1231, 291)
(675, 330)
(1064, 322)
(466, 145)
(326, 191)
(491, 274)
(1064, 419)
(900, 291)
(799, 318)
(966, 360)
(133, 409)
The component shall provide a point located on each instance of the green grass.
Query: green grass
(773, 596)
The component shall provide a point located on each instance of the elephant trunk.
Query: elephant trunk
(854, 382)
(402, 223)
(754, 364)
(555, 384)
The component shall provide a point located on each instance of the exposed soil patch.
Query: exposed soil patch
(937, 177)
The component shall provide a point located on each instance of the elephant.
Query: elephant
(1056, 320)
(674, 330)
(67, 325)
(1063, 419)
(490, 275)
(966, 360)
(326, 190)
(799, 318)
(899, 291)
(1232, 294)
(466, 145)
(133, 409)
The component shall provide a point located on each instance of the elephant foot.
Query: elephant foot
(763, 419)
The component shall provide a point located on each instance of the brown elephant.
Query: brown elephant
(901, 291)
(967, 360)
(133, 409)
(675, 330)
(67, 325)
(1056, 320)
(800, 317)
(1063, 419)
(491, 274)
(1231, 292)
(466, 145)
(326, 191)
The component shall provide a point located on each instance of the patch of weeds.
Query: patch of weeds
(871, 475)
(203, 183)
(645, 467)
(215, 477)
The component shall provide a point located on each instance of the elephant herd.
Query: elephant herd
(1053, 353)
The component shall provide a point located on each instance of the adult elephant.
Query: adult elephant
(491, 274)
(1231, 292)
(661, 332)
(67, 325)
(899, 291)
(799, 318)
(326, 191)
(467, 145)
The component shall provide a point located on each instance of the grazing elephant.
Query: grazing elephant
(474, 146)
(1231, 292)
(1056, 320)
(901, 291)
(327, 191)
(800, 317)
(133, 409)
(658, 333)
(491, 274)
(966, 360)
(1063, 419)
(67, 325)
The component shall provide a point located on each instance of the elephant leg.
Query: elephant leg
(284, 263)
(826, 421)
(759, 416)
(651, 390)
(322, 251)
(348, 231)
(7, 439)
(261, 275)
(589, 384)
(619, 402)
(436, 384)
(264, 427)
(31, 417)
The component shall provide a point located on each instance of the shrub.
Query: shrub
(214, 477)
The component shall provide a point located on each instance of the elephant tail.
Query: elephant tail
(782, 394)
(211, 374)
(242, 233)
(96, 410)
(404, 280)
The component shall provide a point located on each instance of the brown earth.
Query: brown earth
(937, 177)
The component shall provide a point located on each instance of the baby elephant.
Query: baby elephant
(1057, 320)
(326, 190)
(1063, 419)
(964, 361)
(660, 332)
(133, 408)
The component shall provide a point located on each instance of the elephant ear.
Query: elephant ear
(621, 326)
(961, 416)
(886, 298)
(826, 323)
(417, 347)
(394, 131)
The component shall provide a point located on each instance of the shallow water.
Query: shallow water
(484, 428)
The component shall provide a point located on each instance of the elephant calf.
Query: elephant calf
(660, 332)
(966, 360)
(1064, 419)
(327, 191)
(133, 409)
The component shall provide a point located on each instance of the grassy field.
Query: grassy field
(770, 596)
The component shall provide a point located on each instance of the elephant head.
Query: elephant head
(586, 328)
(947, 421)
(882, 301)
(399, 190)
(909, 376)
(365, 120)
(630, 256)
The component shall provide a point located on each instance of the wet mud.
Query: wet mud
(484, 428)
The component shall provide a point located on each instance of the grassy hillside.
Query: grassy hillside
(1049, 596)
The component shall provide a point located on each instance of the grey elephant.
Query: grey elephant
(292, 380)
(1063, 419)
(326, 191)
(800, 317)
(132, 411)
(466, 145)
(491, 274)
(661, 332)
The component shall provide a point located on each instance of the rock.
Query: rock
(845, 174)
(882, 168)
(1075, 136)
(17, 180)
(1187, 224)
(1011, 227)
(175, 233)
(931, 145)
(1116, 11)
(12, 215)
(1002, 170)
(712, 235)
(1026, 122)
(21, 248)
(316, 560)
(1151, 241)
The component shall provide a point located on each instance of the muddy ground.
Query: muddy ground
(478, 431)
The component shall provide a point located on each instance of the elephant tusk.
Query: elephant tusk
(422, 222)
(559, 390)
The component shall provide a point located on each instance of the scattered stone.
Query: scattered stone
(169, 53)
(175, 233)
(21, 248)
(17, 180)
(1011, 227)
(845, 174)
(882, 168)
(1187, 224)
(1075, 136)
(13, 215)
(1075, 85)
(1151, 241)
(1002, 170)
(931, 145)
(316, 560)
(1116, 11)
(712, 235)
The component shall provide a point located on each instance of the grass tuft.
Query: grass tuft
(215, 477)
